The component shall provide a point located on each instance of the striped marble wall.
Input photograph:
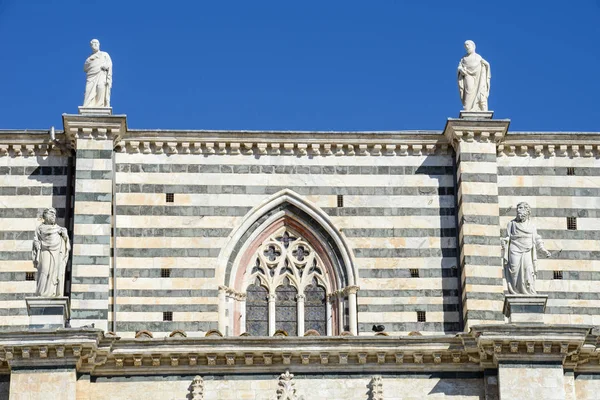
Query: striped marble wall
(558, 181)
(32, 178)
(398, 214)
(92, 256)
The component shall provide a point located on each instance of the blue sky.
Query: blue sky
(301, 65)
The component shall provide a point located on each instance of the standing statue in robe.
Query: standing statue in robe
(98, 68)
(474, 76)
(521, 246)
(50, 254)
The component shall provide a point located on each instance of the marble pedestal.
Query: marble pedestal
(476, 114)
(525, 308)
(47, 312)
(95, 110)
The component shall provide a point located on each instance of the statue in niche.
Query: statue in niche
(521, 246)
(474, 76)
(98, 68)
(50, 254)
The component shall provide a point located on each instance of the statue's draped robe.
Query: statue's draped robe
(520, 257)
(474, 86)
(51, 260)
(99, 81)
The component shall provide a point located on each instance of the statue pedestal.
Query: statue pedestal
(47, 312)
(95, 110)
(476, 114)
(525, 308)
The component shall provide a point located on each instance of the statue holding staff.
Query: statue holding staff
(98, 68)
(50, 254)
(474, 76)
(521, 246)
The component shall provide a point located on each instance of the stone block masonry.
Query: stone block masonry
(92, 259)
(397, 215)
(478, 218)
(33, 176)
(558, 182)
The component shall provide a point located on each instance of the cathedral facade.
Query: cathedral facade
(288, 265)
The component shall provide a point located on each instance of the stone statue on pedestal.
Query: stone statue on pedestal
(521, 246)
(98, 68)
(473, 80)
(50, 254)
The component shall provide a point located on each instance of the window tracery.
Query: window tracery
(292, 280)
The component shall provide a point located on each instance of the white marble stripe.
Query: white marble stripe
(439, 160)
(251, 200)
(283, 180)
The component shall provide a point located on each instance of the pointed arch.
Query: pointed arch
(287, 203)
(285, 210)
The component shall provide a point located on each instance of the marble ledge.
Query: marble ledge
(548, 150)
(279, 148)
(483, 347)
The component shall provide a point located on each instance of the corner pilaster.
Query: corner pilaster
(93, 137)
(474, 141)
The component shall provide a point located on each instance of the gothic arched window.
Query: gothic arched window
(288, 271)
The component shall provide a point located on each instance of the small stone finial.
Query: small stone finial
(197, 388)
(286, 389)
(376, 387)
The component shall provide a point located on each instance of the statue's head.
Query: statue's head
(95, 45)
(470, 46)
(523, 211)
(49, 216)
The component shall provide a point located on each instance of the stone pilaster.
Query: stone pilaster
(93, 138)
(532, 359)
(474, 141)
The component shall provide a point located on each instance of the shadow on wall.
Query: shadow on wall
(465, 388)
(57, 182)
(448, 271)
(56, 176)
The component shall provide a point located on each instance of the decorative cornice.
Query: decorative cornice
(26, 143)
(314, 144)
(483, 347)
(475, 130)
(524, 149)
(109, 127)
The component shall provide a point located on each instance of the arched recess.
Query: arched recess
(286, 211)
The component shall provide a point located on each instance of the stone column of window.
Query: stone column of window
(329, 314)
(340, 314)
(480, 260)
(242, 305)
(353, 318)
(222, 309)
(300, 307)
(272, 300)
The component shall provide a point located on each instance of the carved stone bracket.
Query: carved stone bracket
(110, 127)
(484, 131)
